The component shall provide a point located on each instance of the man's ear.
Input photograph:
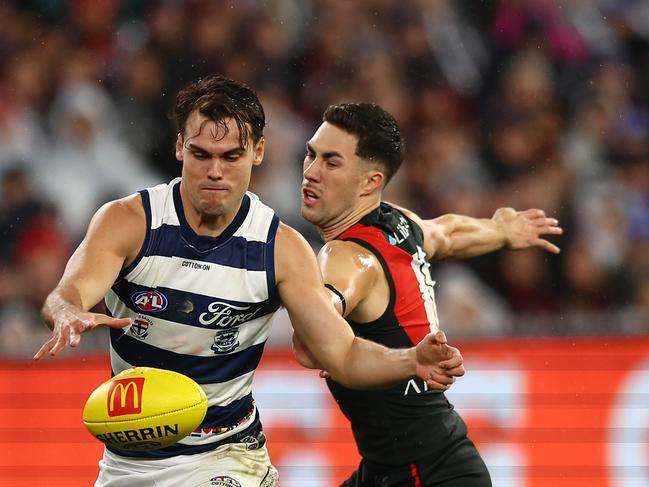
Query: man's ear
(373, 182)
(259, 151)
(179, 147)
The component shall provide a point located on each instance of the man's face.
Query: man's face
(333, 176)
(216, 168)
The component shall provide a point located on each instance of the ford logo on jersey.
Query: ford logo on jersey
(150, 301)
(225, 315)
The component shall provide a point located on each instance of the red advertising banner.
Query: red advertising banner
(556, 412)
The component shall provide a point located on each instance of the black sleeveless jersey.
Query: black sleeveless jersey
(407, 421)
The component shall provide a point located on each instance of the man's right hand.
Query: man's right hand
(69, 325)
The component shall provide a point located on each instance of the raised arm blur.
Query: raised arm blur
(114, 237)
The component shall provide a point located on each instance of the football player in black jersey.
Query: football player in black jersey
(375, 264)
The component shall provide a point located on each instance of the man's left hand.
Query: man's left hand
(438, 363)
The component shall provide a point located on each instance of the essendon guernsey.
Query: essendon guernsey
(408, 421)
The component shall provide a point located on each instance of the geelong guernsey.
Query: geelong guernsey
(201, 306)
(408, 421)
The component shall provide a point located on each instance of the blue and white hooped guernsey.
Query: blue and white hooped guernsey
(201, 306)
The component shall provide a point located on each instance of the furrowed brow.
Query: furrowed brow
(237, 151)
(194, 148)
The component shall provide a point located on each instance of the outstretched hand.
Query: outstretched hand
(69, 326)
(523, 229)
(438, 363)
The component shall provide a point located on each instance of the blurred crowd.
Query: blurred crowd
(521, 103)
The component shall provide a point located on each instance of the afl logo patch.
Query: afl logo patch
(150, 301)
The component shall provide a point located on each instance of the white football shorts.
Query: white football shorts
(230, 465)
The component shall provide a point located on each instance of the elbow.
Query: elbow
(303, 356)
(304, 361)
(348, 376)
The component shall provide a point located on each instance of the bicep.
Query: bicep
(437, 238)
(322, 330)
(113, 235)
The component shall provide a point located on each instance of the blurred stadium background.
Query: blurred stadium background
(522, 103)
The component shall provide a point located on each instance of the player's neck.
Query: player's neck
(211, 225)
(329, 232)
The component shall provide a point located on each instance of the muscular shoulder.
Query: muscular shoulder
(436, 241)
(293, 254)
(120, 224)
(347, 254)
(290, 240)
(352, 269)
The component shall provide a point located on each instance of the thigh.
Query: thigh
(115, 471)
(372, 474)
(231, 465)
(235, 465)
(462, 466)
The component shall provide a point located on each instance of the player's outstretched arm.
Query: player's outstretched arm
(349, 360)
(115, 234)
(462, 236)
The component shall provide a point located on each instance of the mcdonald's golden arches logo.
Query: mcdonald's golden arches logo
(125, 396)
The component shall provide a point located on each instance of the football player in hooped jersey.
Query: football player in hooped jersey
(197, 267)
(375, 265)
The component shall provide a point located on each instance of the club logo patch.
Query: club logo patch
(225, 341)
(140, 327)
(150, 301)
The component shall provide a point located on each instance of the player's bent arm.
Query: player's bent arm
(351, 271)
(114, 237)
(461, 236)
(349, 360)
(355, 273)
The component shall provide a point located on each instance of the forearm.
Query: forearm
(60, 300)
(369, 365)
(469, 237)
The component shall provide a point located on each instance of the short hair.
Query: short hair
(379, 137)
(218, 99)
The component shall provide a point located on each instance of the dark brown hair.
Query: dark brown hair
(219, 99)
(379, 137)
